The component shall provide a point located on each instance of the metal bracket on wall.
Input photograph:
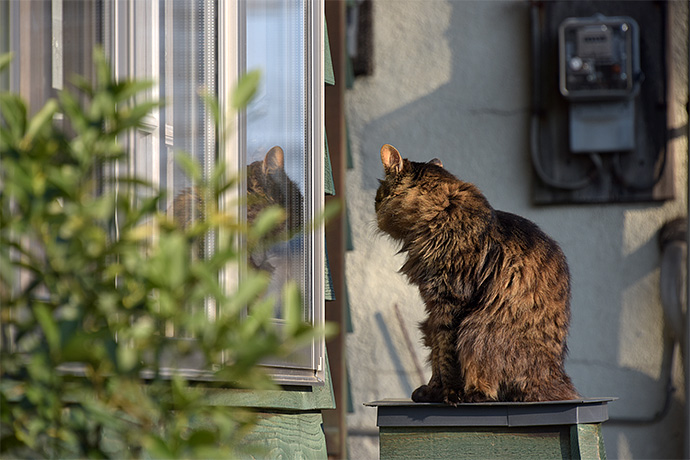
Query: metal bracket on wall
(642, 174)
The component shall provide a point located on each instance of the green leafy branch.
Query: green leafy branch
(93, 274)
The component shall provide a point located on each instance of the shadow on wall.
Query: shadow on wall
(452, 122)
(398, 366)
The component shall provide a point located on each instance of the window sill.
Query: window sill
(288, 397)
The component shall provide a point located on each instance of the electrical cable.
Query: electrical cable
(636, 185)
(551, 182)
(535, 125)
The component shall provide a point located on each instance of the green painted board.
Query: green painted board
(473, 443)
(329, 74)
(586, 441)
(329, 184)
(288, 436)
(293, 398)
(328, 291)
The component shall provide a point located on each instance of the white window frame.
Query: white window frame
(121, 19)
(230, 67)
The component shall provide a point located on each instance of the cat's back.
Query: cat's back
(527, 247)
(518, 230)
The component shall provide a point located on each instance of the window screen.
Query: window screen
(278, 137)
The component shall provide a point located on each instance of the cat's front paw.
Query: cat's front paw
(426, 393)
(451, 397)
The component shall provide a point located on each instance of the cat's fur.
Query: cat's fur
(495, 287)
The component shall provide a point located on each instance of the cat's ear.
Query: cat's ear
(391, 159)
(436, 162)
(274, 160)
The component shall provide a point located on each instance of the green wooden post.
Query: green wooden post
(586, 441)
(547, 430)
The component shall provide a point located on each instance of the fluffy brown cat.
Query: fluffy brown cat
(495, 287)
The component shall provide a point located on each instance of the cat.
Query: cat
(267, 185)
(496, 288)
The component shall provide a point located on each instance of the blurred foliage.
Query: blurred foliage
(91, 275)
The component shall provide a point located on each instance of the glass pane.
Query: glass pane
(173, 43)
(277, 139)
(138, 50)
(190, 70)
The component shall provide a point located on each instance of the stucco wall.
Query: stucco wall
(452, 80)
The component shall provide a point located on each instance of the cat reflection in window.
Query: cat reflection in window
(269, 185)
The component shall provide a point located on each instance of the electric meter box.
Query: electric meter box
(599, 75)
(601, 100)
(599, 58)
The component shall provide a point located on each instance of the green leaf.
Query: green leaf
(13, 111)
(43, 118)
(82, 84)
(169, 263)
(158, 448)
(201, 438)
(189, 165)
(134, 117)
(293, 308)
(268, 219)
(128, 89)
(7, 271)
(245, 90)
(5, 60)
(249, 290)
(48, 324)
(127, 358)
(119, 278)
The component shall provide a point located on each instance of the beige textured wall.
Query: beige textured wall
(452, 80)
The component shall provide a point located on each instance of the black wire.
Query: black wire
(636, 185)
(535, 124)
(575, 185)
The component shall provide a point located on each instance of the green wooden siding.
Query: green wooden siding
(329, 292)
(329, 74)
(329, 183)
(288, 436)
(473, 443)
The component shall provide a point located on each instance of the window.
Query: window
(191, 46)
(281, 133)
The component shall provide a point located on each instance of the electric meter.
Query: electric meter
(599, 57)
(600, 76)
